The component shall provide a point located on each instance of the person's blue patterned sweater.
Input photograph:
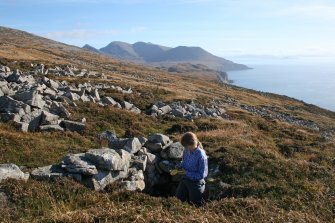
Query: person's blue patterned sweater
(195, 164)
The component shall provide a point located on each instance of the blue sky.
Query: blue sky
(285, 29)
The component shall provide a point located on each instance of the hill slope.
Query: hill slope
(271, 157)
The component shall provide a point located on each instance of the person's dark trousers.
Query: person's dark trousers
(191, 191)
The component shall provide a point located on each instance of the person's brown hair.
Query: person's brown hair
(191, 139)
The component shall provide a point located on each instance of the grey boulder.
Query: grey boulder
(49, 119)
(174, 151)
(77, 163)
(73, 126)
(51, 128)
(157, 142)
(131, 145)
(31, 97)
(108, 159)
(104, 178)
(50, 172)
(12, 171)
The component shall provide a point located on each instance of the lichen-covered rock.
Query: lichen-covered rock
(166, 166)
(133, 185)
(166, 109)
(51, 128)
(31, 97)
(20, 126)
(49, 119)
(50, 172)
(108, 101)
(135, 180)
(131, 145)
(77, 163)
(73, 126)
(5, 117)
(157, 142)
(103, 178)
(10, 105)
(12, 171)
(140, 161)
(107, 159)
(174, 151)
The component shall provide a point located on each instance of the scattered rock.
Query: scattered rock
(51, 128)
(108, 101)
(49, 119)
(126, 105)
(73, 126)
(166, 109)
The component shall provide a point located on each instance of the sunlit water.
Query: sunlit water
(314, 84)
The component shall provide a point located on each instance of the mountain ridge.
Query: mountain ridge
(158, 55)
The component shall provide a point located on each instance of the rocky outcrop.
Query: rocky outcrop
(32, 102)
(269, 112)
(141, 164)
(186, 110)
(275, 113)
(223, 77)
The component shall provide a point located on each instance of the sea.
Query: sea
(311, 82)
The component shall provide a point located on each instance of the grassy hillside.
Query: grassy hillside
(271, 169)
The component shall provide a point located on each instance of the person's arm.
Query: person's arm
(201, 172)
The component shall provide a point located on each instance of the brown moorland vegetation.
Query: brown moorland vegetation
(276, 171)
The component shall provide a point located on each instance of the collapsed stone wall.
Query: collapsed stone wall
(141, 164)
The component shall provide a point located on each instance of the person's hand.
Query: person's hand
(174, 172)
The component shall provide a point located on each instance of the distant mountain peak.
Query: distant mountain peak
(91, 48)
(157, 55)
